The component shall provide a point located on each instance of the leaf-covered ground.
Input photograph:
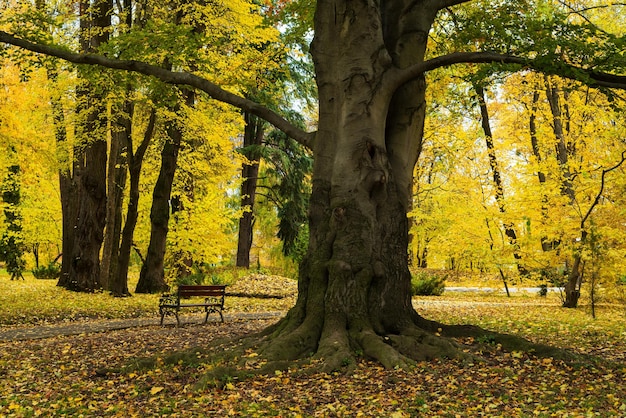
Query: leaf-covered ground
(132, 372)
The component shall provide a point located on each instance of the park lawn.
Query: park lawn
(99, 374)
(38, 302)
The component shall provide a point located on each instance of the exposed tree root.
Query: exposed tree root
(314, 345)
(337, 348)
(336, 345)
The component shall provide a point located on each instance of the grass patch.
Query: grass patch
(31, 301)
(36, 302)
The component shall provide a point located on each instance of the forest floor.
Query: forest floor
(148, 370)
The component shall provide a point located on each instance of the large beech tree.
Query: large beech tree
(370, 62)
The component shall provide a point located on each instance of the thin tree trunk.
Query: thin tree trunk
(67, 191)
(117, 173)
(152, 275)
(546, 244)
(509, 229)
(67, 187)
(120, 284)
(253, 136)
(562, 149)
(120, 154)
(572, 286)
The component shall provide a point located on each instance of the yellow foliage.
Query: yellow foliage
(27, 140)
(455, 215)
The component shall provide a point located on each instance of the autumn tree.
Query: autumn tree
(253, 134)
(220, 27)
(12, 241)
(288, 82)
(567, 136)
(203, 213)
(370, 64)
(29, 144)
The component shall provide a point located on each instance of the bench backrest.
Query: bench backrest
(185, 291)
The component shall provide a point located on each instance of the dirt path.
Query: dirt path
(87, 327)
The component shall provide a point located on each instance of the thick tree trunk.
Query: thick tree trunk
(90, 172)
(152, 275)
(89, 234)
(253, 136)
(355, 285)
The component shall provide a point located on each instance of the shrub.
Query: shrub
(203, 274)
(195, 278)
(425, 284)
(50, 272)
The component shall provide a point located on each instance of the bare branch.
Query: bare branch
(581, 12)
(599, 195)
(170, 77)
(573, 10)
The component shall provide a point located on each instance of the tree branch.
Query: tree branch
(442, 4)
(398, 77)
(599, 195)
(170, 77)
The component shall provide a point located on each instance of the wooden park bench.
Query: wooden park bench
(213, 300)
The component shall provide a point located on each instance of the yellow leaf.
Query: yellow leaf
(155, 390)
(229, 386)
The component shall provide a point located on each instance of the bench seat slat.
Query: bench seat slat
(190, 305)
(198, 293)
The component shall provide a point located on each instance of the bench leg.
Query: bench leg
(177, 318)
(209, 310)
(162, 312)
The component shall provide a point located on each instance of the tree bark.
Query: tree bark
(90, 168)
(116, 183)
(135, 161)
(563, 153)
(252, 137)
(355, 285)
(509, 228)
(152, 275)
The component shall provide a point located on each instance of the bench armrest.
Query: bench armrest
(171, 299)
